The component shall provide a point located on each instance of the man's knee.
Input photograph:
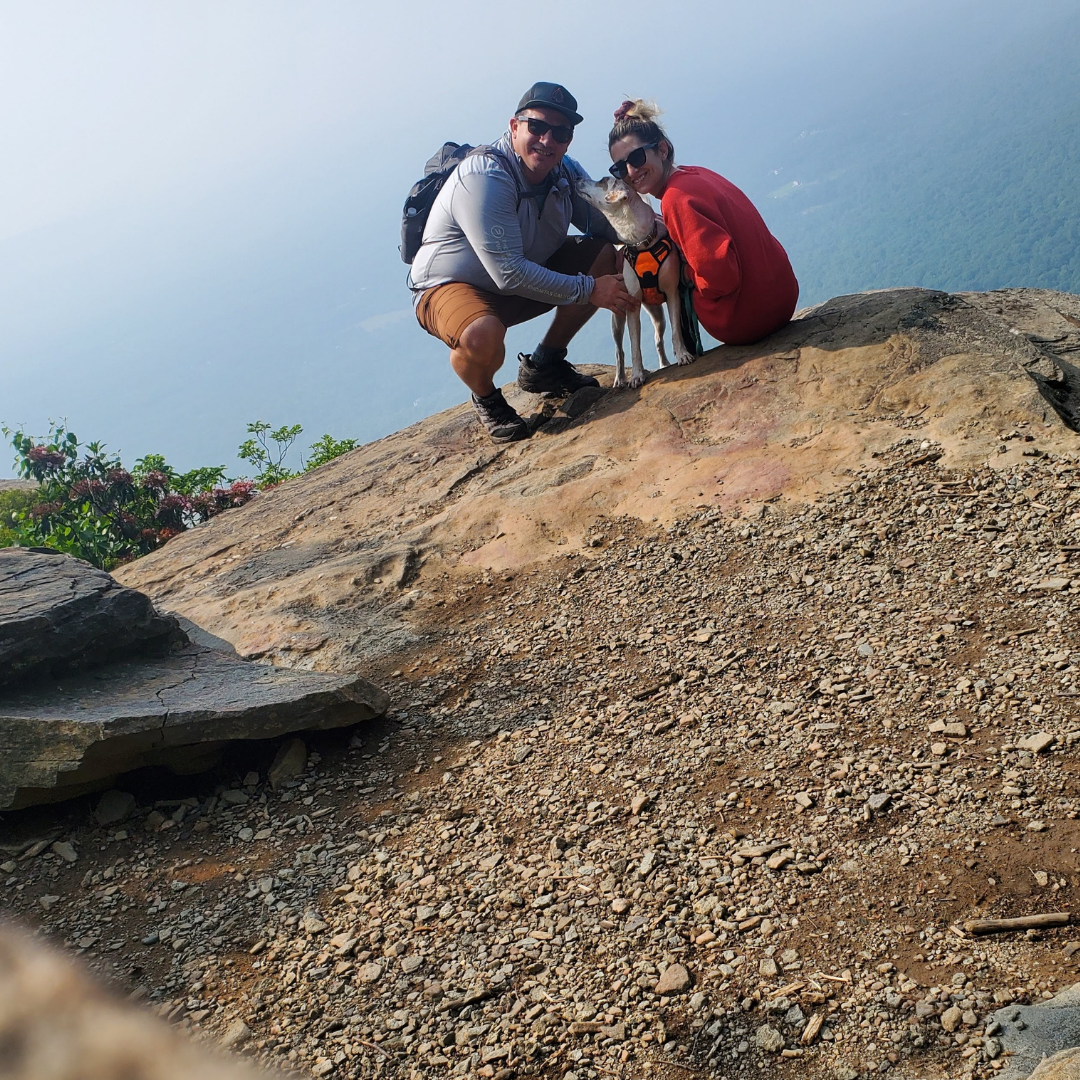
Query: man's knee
(483, 338)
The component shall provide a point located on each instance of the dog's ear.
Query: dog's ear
(615, 195)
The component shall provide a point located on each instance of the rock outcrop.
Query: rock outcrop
(324, 569)
(65, 732)
(720, 786)
(1064, 1065)
(57, 612)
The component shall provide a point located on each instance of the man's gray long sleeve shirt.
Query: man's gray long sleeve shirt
(485, 229)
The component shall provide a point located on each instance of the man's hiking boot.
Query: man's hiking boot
(555, 377)
(500, 421)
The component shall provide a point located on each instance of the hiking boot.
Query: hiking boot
(500, 421)
(556, 377)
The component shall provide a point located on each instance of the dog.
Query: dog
(645, 242)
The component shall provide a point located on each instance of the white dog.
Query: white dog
(655, 280)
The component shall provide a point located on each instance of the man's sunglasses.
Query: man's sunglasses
(636, 158)
(559, 132)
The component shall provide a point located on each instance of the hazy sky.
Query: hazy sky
(200, 202)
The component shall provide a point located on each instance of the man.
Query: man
(496, 253)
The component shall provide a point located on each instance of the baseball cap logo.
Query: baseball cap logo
(557, 95)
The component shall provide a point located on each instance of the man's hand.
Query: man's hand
(609, 291)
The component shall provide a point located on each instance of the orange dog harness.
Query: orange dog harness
(646, 263)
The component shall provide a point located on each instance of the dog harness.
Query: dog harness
(646, 262)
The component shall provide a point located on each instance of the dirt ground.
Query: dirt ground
(789, 750)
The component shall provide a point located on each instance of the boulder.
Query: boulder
(1030, 1033)
(78, 733)
(1064, 1065)
(113, 807)
(289, 762)
(57, 613)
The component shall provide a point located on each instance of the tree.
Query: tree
(270, 461)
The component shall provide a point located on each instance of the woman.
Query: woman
(744, 287)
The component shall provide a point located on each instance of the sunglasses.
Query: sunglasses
(636, 158)
(559, 132)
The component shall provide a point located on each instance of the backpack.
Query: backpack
(422, 194)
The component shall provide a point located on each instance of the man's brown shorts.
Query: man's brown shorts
(445, 311)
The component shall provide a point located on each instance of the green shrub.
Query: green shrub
(88, 505)
(270, 460)
(14, 502)
(328, 448)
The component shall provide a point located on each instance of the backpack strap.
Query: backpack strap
(507, 164)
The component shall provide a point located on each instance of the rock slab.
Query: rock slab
(57, 612)
(95, 682)
(75, 734)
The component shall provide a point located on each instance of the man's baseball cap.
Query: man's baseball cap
(549, 95)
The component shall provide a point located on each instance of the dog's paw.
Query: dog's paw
(637, 381)
(665, 362)
(619, 383)
(686, 358)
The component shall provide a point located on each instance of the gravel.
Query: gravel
(717, 795)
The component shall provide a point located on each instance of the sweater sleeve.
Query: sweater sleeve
(485, 206)
(706, 245)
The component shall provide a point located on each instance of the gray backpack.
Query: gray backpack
(423, 193)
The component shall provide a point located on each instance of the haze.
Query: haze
(200, 203)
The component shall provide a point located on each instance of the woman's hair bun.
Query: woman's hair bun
(637, 109)
(638, 118)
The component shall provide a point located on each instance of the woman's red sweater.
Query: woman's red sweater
(744, 285)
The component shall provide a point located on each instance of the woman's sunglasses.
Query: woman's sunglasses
(559, 132)
(636, 158)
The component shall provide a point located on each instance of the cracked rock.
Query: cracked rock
(174, 710)
(57, 613)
